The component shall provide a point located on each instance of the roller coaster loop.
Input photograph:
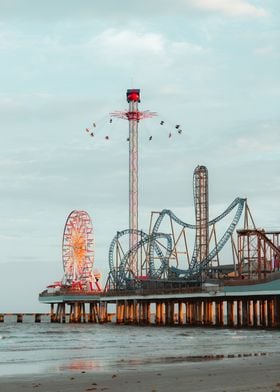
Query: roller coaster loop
(123, 273)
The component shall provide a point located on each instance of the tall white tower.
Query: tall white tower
(133, 97)
(133, 115)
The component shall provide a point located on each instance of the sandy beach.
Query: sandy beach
(259, 373)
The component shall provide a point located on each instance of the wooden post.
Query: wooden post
(52, 313)
(118, 312)
(148, 313)
(76, 312)
(239, 313)
(90, 318)
(191, 312)
(217, 313)
(167, 313)
(145, 313)
(71, 315)
(122, 311)
(162, 316)
(105, 312)
(58, 313)
(188, 317)
(135, 312)
(250, 313)
(263, 313)
(181, 313)
(222, 314)
(244, 312)
(37, 317)
(95, 313)
(205, 312)
(96, 318)
(210, 319)
(19, 318)
(141, 313)
(63, 313)
(198, 312)
(255, 313)
(171, 313)
(230, 319)
(270, 313)
(130, 312)
(194, 312)
(277, 311)
(83, 312)
(157, 319)
(125, 316)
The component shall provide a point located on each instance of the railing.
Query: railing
(132, 292)
(157, 290)
(62, 292)
(189, 290)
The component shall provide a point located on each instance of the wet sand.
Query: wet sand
(245, 374)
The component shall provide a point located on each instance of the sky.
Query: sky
(211, 66)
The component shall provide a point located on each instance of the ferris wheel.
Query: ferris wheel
(78, 250)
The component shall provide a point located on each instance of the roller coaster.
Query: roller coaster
(157, 250)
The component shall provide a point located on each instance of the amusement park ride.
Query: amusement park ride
(161, 258)
(78, 255)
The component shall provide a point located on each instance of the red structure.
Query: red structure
(258, 253)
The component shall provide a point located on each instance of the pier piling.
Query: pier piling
(202, 308)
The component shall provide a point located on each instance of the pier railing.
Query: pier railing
(156, 291)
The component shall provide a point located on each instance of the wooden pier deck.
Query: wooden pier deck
(244, 306)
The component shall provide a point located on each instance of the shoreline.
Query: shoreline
(239, 374)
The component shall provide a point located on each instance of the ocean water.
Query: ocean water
(30, 348)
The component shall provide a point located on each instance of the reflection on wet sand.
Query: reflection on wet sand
(81, 365)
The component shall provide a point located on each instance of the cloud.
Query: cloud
(107, 47)
(117, 46)
(130, 40)
(228, 7)
(264, 139)
(119, 13)
(250, 143)
(264, 50)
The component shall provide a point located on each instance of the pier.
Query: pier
(20, 317)
(252, 306)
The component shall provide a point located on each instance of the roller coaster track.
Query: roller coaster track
(195, 267)
(124, 274)
(162, 214)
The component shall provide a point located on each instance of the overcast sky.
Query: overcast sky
(211, 66)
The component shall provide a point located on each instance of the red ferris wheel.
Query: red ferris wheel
(78, 252)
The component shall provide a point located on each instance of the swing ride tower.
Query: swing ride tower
(133, 98)
(133, 115)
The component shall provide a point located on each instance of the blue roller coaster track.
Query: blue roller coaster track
(123, 274)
